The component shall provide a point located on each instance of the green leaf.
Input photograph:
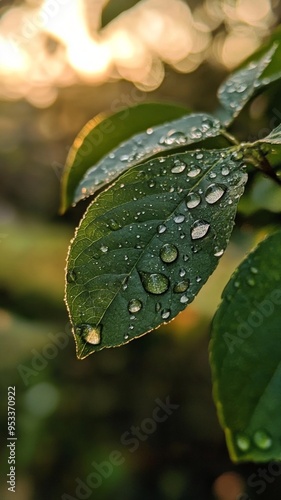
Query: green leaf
(104, 132)
(242, 85)
(148, 243)
(246, 356)
(176, 134)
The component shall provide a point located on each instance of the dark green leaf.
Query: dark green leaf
(242, 85)
(104, 132)
(246, 356)
(148, 243)
(176, 134)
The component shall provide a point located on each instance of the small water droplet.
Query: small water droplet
(198, 279)
(212, 175)
(179, 218)
(124, 157)
(184, 299)
(71, 276)
(155, 283)
(161, 228)
(151, 183)
(90, 333)
(104, 248)
(185, 258)
(225, 170)
(179, 166)
(134, 305)
(236, 284)
(254, 270)
(181, 287)
(169, 253)
(149, 131)
(194, 172)
(214, 193)
(238, 155)
(262, 440)
(114, 225)
(199, 229)
(199, 156)
(182, 273)
(218, 252)
(126, 336)
(251, 281)
(193, 200)
(242, 441)
(165, 313)
(157, 307)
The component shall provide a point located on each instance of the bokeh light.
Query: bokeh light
(50, 44)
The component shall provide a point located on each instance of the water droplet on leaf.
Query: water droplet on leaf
(242, 441)
(181, 287)
(155, 283)
(90, 333)
(71, 276)
(169, 252)
(214, 193)
(193, 200)
(262, 440)
(134, 305)
(199, 229)
(165, 313)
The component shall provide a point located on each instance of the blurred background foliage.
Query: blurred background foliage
(61, 63)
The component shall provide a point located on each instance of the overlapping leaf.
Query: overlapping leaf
(243, 84)
(246, 356)
(176, 134)
(106, 131)
(148, 243)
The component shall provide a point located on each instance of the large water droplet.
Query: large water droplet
(71, 276)
(242, 441)
(90, 333)
(179, 166)
(155, 283)
(262, 440)
(181, 287)
(193, 200)
(214, 193)
(169, 252)
(199, 229)
(134, 305)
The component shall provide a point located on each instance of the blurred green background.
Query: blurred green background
(72, 413)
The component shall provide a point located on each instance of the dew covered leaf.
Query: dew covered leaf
(106, 131)
(176, 134)
(242, 85)
(148, 243)
(245, 353)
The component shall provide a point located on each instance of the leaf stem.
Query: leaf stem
(229, 137)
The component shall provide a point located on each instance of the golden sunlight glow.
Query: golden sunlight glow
(46, 44)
